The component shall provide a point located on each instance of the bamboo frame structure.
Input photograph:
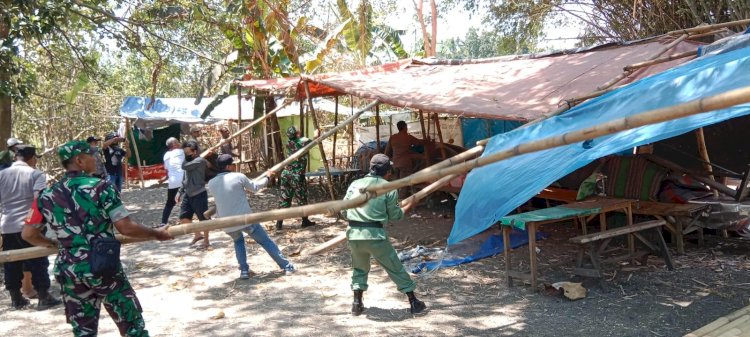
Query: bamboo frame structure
(320, 144)
(694, 107)
(245, 128)
(294, 156)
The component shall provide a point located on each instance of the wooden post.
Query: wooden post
(335, 123)
(302, 116)
(429, 125)
(127, 155)
(137, 155)
(320, 144)
(440, 136)
(390, 125)
(425, 138)
(703, 151)
(377, 128)
(239, 124)
(351, 134)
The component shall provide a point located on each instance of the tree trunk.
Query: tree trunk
(433, 37)
(6, 120)
(276, 134)
(418, 6)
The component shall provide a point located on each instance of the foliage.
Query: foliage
(480, 44)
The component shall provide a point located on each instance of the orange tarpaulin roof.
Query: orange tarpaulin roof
(519, 88)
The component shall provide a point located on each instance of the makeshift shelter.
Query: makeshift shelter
(501, 187)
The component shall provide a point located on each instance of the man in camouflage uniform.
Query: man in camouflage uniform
(78, 209)
(292, 179)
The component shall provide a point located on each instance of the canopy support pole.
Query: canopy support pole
(239, 126)
(425, 138)
(320, 144)
(137, 155)
(703, 151)
(351, 134)
(440, 136)
(127, 156)
(377, 128)
(335, 123)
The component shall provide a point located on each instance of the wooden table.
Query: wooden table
(583, 211)
(680, 218)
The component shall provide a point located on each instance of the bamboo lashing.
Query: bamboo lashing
(299, 153)
(694, 107)
(715, 102)
(245, 128)
(320, 144)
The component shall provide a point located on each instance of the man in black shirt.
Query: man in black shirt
(113, 157)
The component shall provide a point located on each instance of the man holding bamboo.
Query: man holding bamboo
(367, 238)
(81, 211)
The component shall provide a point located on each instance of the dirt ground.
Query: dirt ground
(189, 292)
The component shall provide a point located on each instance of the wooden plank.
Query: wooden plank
(666, 208)
(616, 232)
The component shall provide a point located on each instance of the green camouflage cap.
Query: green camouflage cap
(291, 132)
(73, 148)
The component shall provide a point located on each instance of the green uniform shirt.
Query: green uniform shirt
(381, 209)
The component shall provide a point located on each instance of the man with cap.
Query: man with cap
(113, 158)
(367, 238)
(79, 210)
(8, 155)
(19, 185)
(192, 195)
(228, 189)
(292, 180)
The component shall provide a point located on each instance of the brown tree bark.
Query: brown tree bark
(428, 48)
(6, 115)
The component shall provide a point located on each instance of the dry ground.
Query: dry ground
(187, 292)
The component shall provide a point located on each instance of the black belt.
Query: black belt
(365, 224)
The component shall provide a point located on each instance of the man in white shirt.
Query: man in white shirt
(173, 164)
(228, 189)
(19, 185)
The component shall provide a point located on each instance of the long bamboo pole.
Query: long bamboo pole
(299, 153)
(335, 123)
(440, 136)
(320, 145)
(239, 123)
(703, 152)
(694, 107)
(720, 101)
(129, 131)
(377, 128)
(709, 182)
(245, 128)
(705, 28)
(425, 138)
(663, 59)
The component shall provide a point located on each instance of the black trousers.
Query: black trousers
(14, 270)
(171, 194)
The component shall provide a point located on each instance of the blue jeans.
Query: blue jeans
(116, 180)
(260, 236)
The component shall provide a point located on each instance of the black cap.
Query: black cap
(224, 160)
(25, 151)
(110, 135)
(92, 139)
(380, 164)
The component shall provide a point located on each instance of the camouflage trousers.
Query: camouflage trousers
(83, 298)
(293, 186)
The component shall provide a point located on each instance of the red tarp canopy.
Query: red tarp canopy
(520, 88)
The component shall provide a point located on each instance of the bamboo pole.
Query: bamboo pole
(302, 116)
(718, 323)
(127, 157)
(440, 136)
(709, 182)
(703, 152)
(667, 58)
(425, 138)
(335, 123)
(706, 28)
(377, 128)
(294, 156)
(320, 144)
(715, 102)
(351, 134)
(129, 131)
(711, 33)
(245, 128)
(239, 122)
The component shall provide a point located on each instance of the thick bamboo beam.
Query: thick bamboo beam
(706, 28)
(720, 101)
(245, 128)
(299, 153)
(667, 58)
(719, 322)
(320, 144)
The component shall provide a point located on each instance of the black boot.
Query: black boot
(416, 306)
(307, 223)
(17, 301)
(46, 300)
(279, 224)
(358, 306)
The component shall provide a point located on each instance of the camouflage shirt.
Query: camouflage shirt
(96, 205)
(300, 165)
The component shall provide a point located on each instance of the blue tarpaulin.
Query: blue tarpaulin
(493, 191)
(476, 129)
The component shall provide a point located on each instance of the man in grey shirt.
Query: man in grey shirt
(228, 189)
(19, 185)
(195, 200)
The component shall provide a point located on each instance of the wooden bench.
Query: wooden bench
(734, 324)
(593, 245)
(680, 219)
